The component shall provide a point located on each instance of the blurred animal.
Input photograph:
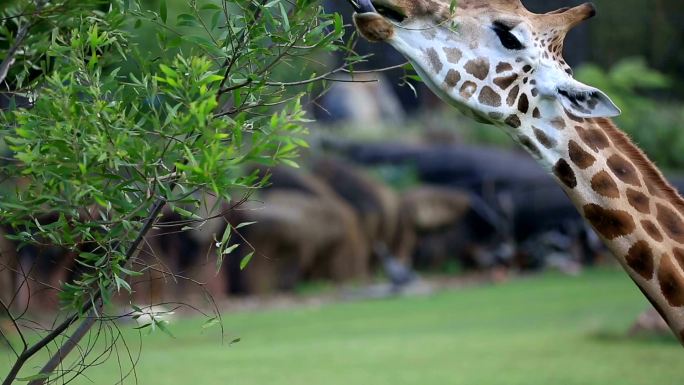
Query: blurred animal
(297, 236)
(450, 224)
(513, 199)
(649, 322)
(430, 207)
(377, 206)
(398, 273)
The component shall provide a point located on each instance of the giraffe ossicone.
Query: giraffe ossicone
(500, 63)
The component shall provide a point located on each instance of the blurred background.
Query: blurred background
(400, 195)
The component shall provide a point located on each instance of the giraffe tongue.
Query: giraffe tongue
(363, 6)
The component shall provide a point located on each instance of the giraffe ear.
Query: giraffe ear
(585, 101)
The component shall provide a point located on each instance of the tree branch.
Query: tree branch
(69, 344)
(87, 323)
(11, 55)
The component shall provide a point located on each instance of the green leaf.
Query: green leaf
(230, 249)
(187, 214)
(244, 224)
(163, 12)
(285, 19)
(168, 71)
(210, 6)
(245, 260)
(290, 163)
(39, 376)
(144, 326)
(162, 325)
(211, 323)
(122, 283)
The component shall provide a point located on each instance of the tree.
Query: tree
(104, 130)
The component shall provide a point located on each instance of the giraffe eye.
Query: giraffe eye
(508, 40)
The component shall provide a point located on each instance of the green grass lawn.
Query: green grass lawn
(546, 330)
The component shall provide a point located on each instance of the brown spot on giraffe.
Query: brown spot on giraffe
(581, 158)
(536, 113)
(468, 89)
(679, 256)
(624, 170)
(565, 174)
(489, 97)
(530, 146)
(608, 222)
(574, 117)
(670, 222)
(452, 78)
(478, 68)
(513, 121)
(513, 95)
(604, 185)
(429, 33)
(653, 178)
(640, 259)
(544, 139)
(523, 103)
(505, 81)
(671, 281)
(652, 230)
(433, 59)
(639, 201)
(503, 67)
(496, 115)
(453, 55)
(595, 139)
(558, 123)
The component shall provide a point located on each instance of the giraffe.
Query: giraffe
(502, 64)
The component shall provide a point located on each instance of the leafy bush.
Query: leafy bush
(103, 132)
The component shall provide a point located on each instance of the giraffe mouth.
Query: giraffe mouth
(379, 7)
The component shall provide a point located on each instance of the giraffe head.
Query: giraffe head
(493, 59)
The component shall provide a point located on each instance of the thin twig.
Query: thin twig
(61, 328)
(65, 349)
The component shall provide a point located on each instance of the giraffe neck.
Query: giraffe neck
(637, 214)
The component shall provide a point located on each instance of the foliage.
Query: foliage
(104, 132)
(655, 125)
